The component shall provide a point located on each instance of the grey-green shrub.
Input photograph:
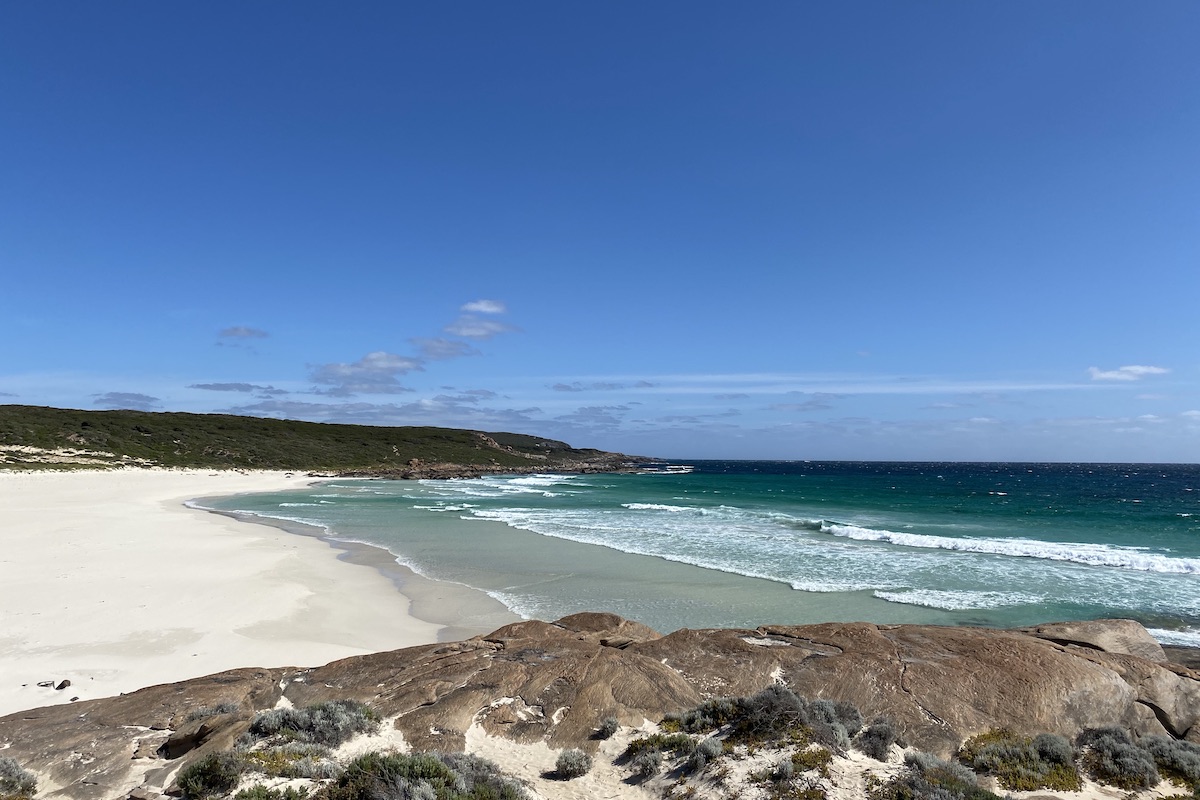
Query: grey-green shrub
(876, 739)
(783, 771)
(705, 751)
(1176, 758)
(927, 777)
(607, 728)
(211, 711)
(15, 780)
(1054, 749)
(1022, 764)
(215, 775)
(329, 723)
(647, 763)
(422, 776)
(261, 792)
(707, 716)
(573, 764)
(1113, 758)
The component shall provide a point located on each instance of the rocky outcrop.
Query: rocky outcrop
(554, 682)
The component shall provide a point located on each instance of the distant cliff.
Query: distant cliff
(37, 437)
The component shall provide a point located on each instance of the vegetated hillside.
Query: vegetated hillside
(37, 436)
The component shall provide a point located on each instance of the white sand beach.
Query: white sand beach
(108, 581)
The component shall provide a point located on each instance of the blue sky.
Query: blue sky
(870, 230)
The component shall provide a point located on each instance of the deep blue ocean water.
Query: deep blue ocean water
(755, 542)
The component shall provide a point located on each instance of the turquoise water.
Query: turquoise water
(749, 543)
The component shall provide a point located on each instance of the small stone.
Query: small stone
(64, 684)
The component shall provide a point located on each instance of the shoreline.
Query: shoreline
(113, 584)
(444, 603)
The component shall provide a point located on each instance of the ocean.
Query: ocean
(748, 543)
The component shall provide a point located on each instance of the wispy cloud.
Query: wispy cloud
(470, 326)
(439, 349)
(484, 307)
(727, 386)
(243, 332)
(442, 411)
(819, 401)
(238, 387)
(1133, 372)
(126, 400)
(577, 386)
(374, 373)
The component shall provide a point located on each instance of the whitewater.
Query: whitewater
(750, 543)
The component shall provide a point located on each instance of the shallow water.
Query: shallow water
(750, 543)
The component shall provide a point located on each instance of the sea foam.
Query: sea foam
(1095, 555)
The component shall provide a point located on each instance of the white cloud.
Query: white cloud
(374, 373)
(484, 307)
(439, 349)
(1133, 372)
(1193, 414)
(470, 326)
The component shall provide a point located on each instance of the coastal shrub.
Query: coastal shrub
(779, 713)
(1022, 764)
(215, 775)
(706, 750)
(876, 739)
(647, 763)
(329, 723)
(260, 792)
(927, 777)
(15, 781)
(1111, 757)
(421, 776)
(707, 716)
(678, 744)
(572, 764)
(293, 760)
(1177, 759)
(812, 758)
(607, 728)
(483, 775)
(211, 711)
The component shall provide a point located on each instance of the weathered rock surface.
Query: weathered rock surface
(554, 682)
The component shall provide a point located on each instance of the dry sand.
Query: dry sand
(107, 580)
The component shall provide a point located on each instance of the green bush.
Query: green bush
(1111, 757)
(424, 776)
(293, 760)
(572, 764)
(707, 716)
(260, 792)
(647, 763)
(876, 739)
(204, 712)
(678, 744)
(706, 750)
(927, 777)
(607, 728)
(329, 724)
(214, 775)
(1023, 764)
(1177, 759)
(15, 781)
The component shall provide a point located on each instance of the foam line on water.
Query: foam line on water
(1094, 555)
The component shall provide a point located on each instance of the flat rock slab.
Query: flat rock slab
(555, 682)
